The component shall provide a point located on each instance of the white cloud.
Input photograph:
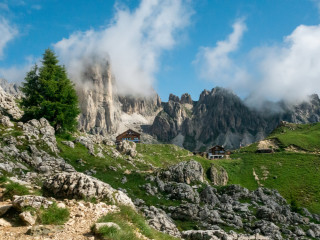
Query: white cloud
(7, 33)
(215, 63)
(134, 42)
(290, 71)
(36, 7)
(17, 74)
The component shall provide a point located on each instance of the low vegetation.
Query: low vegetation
(54, 215)
(131, 226)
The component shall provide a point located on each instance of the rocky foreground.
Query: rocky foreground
(195, 208)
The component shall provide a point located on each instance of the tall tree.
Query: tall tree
(50, 94)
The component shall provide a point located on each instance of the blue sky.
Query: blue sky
(261, 42)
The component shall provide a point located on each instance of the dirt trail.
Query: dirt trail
(82, 216)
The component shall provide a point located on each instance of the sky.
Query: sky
(260, 49)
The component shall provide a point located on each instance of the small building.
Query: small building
(128, 135)
(218, 152)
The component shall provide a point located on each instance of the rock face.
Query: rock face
(183, 172)
(218, 175)
(145, 106)
(220, 117)
(99, 110)
(10, 88)
(80, 186)
(128, 148)
(8, 105)
(159, 220)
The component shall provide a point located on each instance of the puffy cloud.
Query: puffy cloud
(7, 33)
(290, 71)
(133, 42)
(215, 63)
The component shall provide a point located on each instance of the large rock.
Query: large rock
(8, 105)
(41, 130)
(128, 148)
(184, 172)
(181, 191)
(218, 175)
(28, 218)
(20, 202)
(80, 186)
(159, 220)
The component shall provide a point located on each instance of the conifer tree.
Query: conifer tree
(50, 94)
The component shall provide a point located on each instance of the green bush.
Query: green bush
(14, 189)
(54, 215)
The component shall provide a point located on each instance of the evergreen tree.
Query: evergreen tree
(50, 94)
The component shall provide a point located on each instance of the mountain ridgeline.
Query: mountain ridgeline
(218, 117)
(221, 117)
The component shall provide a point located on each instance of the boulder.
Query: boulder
(4, 223)
(184, 172)
(80, 186)
(20, 202)
(209, 196)
(6, 121)
(181, 191)
(4, 207)
(28, 218)
(128, 148)
(68, 143)
(218, 175)
(160, 221)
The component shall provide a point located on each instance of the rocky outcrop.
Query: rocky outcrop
(128, 148)
(183, 172)
(8, 105)
(100, 112)
(80, 186)
(21, 202)
(145, 106)
(10, 88)
(218, 175)
(220, 117)
(158, 219)
(219, 234)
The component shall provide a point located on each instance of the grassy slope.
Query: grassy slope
(305, 136)
(295, 175)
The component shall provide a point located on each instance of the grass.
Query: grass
(130, 223)
(294, 175)
(54, 215)
(13, 188)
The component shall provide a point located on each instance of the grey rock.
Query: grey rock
(80, 186)
(28, 218)
(20, 202)
(181, 191)
(159, 220)
(218, 175)
(209, 196)
(128, 148)
(41, 230)
(68, 143)
(6, 121)
(8, 105)
(184, 172)
(4, 207)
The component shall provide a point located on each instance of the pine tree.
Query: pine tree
(50, 94)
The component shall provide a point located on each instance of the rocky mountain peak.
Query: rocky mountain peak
(186, 99)
(173, 98)
(99, 107)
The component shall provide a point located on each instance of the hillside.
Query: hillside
(293, 169)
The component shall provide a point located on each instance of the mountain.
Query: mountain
(104, 111)
(221, 117)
